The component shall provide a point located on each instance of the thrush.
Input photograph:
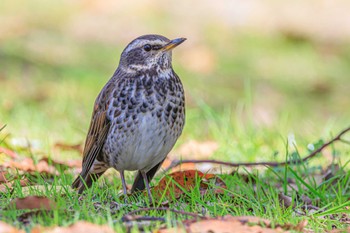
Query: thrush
(137, 117)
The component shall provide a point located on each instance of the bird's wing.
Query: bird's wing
(96, 137)
(98, 131)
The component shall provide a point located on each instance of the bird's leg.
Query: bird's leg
(123, 183)
(144, 175)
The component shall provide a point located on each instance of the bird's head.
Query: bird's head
(148, 52)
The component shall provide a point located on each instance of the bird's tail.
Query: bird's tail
(139, 183)
(83, 182)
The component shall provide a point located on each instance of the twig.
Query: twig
(129, 218)
(164, 209)
(2, 127)
(2, 140)
(271, 164)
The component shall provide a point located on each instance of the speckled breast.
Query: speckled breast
(147, 115)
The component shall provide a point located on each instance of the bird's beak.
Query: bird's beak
(172, 44)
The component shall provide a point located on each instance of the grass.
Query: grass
(249, 192)
(257, 195)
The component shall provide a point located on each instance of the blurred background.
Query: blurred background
(255, 72)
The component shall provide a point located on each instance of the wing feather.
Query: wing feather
(96, 137)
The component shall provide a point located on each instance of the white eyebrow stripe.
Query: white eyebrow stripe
(141, 42)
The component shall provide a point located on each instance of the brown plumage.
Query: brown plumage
(138, 115)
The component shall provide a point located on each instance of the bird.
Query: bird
(137, 117)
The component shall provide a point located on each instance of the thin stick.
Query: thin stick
(2, 127)
(164, 209)
(271, 164)
(129, 218)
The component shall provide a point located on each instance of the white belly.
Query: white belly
(148, 145)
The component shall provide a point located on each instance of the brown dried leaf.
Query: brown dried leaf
(44, 166)
(27, 165)
(8, 152)
(6, 228)
(175, 182)
(185, 179)
(78, 227)
(32, 202)
(231, 224)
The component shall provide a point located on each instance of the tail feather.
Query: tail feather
(81, 183)
(139, 183)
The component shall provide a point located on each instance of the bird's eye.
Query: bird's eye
(147, 47)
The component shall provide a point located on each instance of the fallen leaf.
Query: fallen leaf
(8, 152)
(32, 202)
(27, 165)
(185, 179)
(233, 224)
(174, 183)
(78, 227)
(46, 166)
(6, 228)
